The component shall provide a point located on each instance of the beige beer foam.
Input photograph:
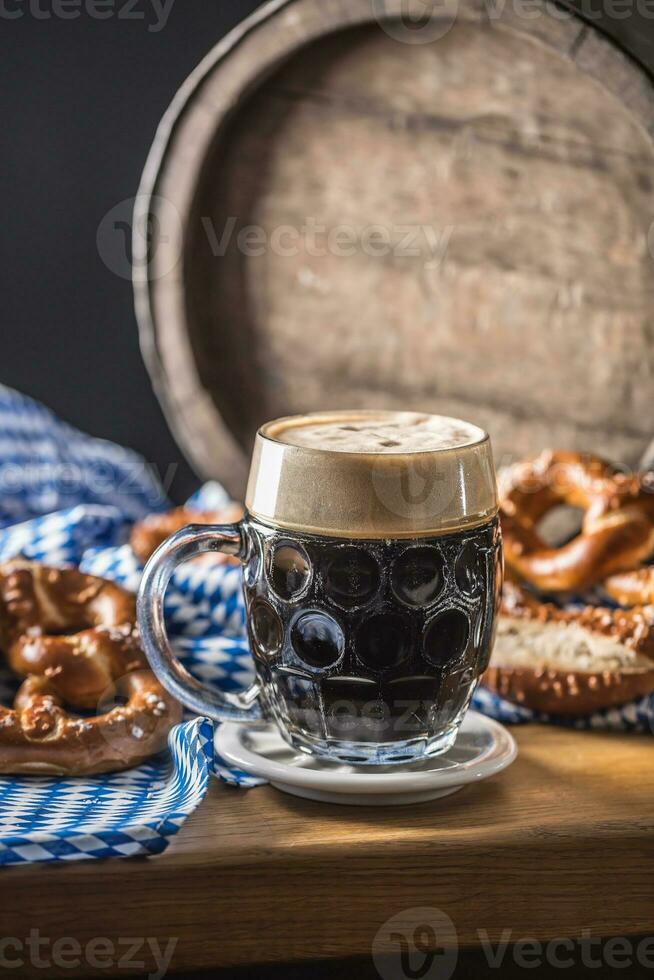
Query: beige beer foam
(372, 474)
(401, 432)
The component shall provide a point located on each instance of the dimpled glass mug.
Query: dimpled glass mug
(372, 569)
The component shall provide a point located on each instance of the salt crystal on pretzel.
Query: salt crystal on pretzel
(73, 637)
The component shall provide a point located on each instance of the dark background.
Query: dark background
(79, 104)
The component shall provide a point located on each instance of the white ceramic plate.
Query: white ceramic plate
(482, 749)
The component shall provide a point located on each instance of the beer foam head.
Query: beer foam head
(372, 474)
(399, 432)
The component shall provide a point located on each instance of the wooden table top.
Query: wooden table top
(560, 842)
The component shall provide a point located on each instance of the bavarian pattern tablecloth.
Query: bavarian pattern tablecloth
(66, 498)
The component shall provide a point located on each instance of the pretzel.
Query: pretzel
(37, 735)
(632, 588)
(39, 601)
(149, 533)
(617, 531)
(570, 661)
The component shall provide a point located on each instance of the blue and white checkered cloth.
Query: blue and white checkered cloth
(68, 499)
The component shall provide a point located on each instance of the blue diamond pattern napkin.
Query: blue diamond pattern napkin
(66, 498)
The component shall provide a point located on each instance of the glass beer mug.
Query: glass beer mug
(372, 568)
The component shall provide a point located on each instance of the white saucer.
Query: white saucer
(482, 749)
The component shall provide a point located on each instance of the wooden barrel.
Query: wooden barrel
(443, 207)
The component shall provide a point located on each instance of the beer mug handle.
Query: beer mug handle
(196, 539)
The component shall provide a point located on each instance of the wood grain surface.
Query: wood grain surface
(460, 226)
(561, 842)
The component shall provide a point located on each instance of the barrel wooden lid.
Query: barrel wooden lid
(350, 210)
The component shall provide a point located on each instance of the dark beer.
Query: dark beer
(370, 641)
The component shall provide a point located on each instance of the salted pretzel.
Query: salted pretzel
(73, 637)
(38, 736)
(617, 532)
(570, 661)
(149, 533)
(62, 622)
